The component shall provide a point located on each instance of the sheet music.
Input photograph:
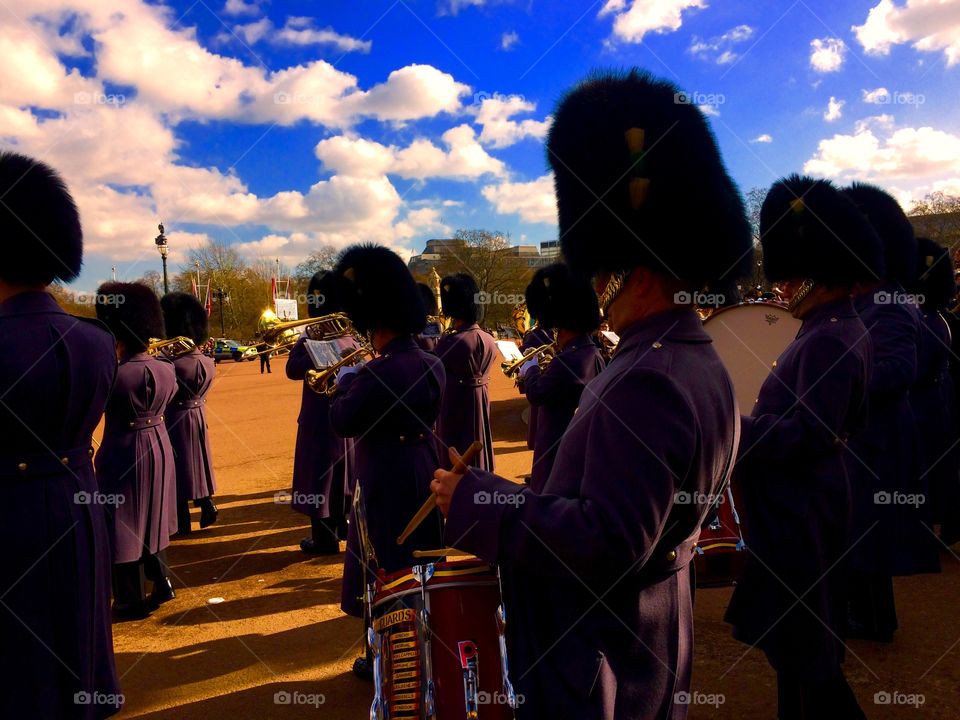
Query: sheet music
(323, 353)
(509, 350)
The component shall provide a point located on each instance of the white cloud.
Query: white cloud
(827, 54)
(765, 138)
(464, 158)
(508, 40)
(300, 31)
(253, 32)
(240, 7)
(896, 154)
(876, 97)
(720, 49)
(834, 109)
(711, 110)
(499, 130)
(930, 25)
(410, 93)
(533, 201)
(632, 19)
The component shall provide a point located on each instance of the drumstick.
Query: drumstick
(460, 467)
(440, 553)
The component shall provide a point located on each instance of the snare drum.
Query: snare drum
(438, 644)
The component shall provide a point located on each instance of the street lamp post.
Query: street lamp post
(221, 295)
(161, 241)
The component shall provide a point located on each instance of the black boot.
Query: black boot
(208, 511)
(183, 517)
(323, 540)
(129, 598)
(363, 668)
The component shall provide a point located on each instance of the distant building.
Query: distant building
(437, 250)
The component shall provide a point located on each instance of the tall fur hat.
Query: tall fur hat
(132, 312)
(811, 230)
(892, 226)
(377, 291)
(936, 279)
(322, 294)
(458, 297)
(639, 181)
(40, 230)
(428, 298)
(559, 298)
(184, 315)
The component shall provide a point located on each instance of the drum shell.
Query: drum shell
(461, 601)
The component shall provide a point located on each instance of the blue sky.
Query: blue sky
(276, 126)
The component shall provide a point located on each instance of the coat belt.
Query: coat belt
(46, 463)
(472, 382)
(145, 422)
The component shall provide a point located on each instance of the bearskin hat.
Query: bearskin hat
(936, 280)
(458, 297)
(376, 290)
(184, 315)
(428, 298)
(811, 230)
(892, 226)
(639, 181)
(132, 312)
(39, 225)
(559, 298)
(322, 294)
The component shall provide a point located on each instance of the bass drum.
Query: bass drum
(748, 338)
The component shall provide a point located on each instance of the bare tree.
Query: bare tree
(937, 216)
(323, 258)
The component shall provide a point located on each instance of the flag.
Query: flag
(193, 289)
(209, 302)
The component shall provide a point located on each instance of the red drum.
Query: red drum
(748, 338)
(438, 644)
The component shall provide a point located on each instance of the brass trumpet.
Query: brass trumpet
(544, 354)
(323, 382)
(284, 335)
(172, 348)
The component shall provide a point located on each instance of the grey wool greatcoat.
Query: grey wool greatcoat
(186, 420)
(892, 537)
(57, 642)
(555, 395)
(467, 355)
(792, 473)
(389, 407)
(135, 460)
(534, 338)
(596, 568)
(321, 458)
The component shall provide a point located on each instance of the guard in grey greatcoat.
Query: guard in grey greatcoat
(596, 567)
(135, 462)
(564, 301)
(889, 482)
(186, 416)
(322, 459)
(793, 466)
(533, 338)
(468, 353)
(55, 378)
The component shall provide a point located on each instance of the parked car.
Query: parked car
(224, 349)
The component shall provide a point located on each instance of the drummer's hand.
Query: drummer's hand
(445, 484)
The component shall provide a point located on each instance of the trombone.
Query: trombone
(284, 335)
(544, 354)
(323, 382)
(172, 348)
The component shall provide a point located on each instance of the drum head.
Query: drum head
(749, 338)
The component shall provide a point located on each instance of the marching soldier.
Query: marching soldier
(934, 397)
(186, 416)
(54, 581)
(389, 405)
(660, 419)
(468, 353)
(792, 468)
(561, 300)
(533, 338)
(889, 533)
(321, 460)
(135, 462)
(428, 338)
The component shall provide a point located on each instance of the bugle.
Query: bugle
(172, 348)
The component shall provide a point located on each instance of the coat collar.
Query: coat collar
(579, 341)
(679, 325)
(399, 344)
(30, 303)
(828, 312)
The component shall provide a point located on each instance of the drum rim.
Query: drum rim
(754, 303)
